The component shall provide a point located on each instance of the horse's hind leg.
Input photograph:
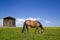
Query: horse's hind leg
(27, 30)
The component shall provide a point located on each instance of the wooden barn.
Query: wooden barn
(9, 22)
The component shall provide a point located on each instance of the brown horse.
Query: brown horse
(32, 24)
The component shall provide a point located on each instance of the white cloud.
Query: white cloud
(18, 20)
(33, 19)
(46, 21)
(1, 22)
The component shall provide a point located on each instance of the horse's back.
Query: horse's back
(32, 23)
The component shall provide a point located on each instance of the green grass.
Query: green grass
(50, 33)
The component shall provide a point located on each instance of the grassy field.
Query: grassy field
(50, 33)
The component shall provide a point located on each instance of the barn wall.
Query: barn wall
(9, 22)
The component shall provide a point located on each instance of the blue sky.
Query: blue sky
(47, 11)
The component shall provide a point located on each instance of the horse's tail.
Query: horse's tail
(23, 27)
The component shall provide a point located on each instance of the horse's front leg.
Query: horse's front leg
(42, 31)
(36, 30)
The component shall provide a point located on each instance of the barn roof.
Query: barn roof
(9, 17)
